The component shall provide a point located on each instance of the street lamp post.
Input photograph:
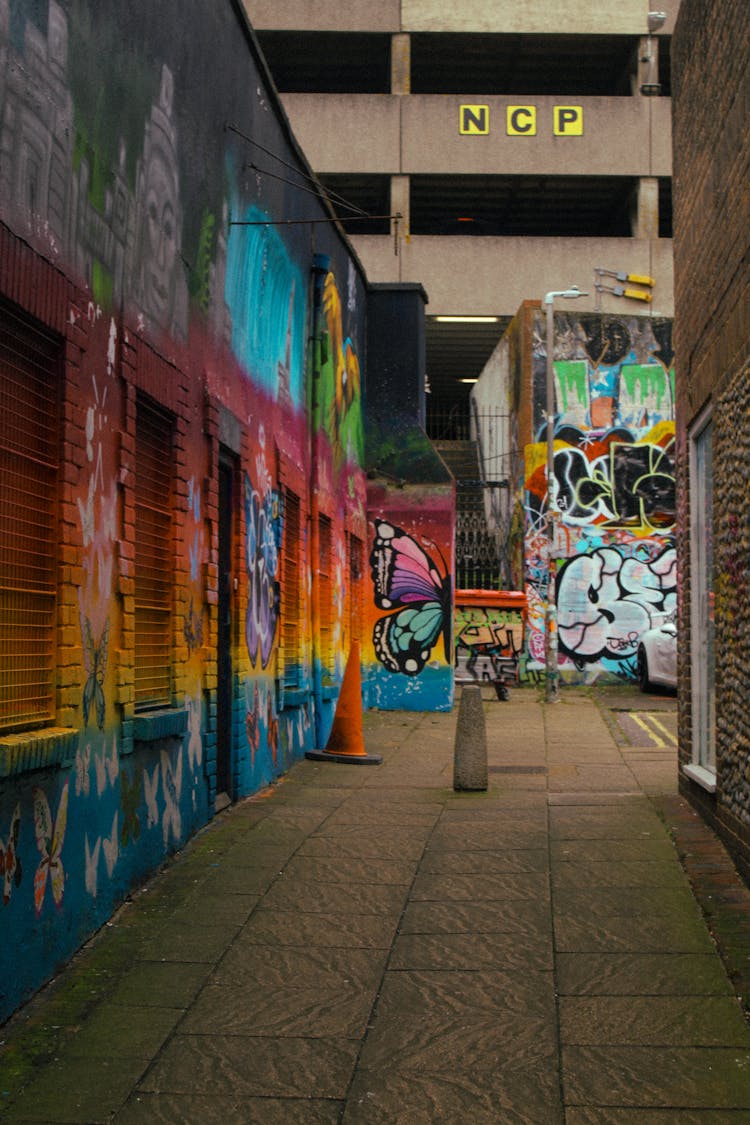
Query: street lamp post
(550, 617)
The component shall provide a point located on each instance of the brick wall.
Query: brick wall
(711, 108)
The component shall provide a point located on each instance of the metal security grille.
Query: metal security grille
(29, 452)
(325, 593)
(154, 570)
(355, 599)
(289, 656)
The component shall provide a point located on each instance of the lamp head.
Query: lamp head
(655, 21)
(566, 294)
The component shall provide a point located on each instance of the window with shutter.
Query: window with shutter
(154, 565)
(30, 381)
(355, 555)
(290, 670)
(325, 593)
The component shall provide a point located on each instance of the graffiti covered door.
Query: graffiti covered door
(225, 693)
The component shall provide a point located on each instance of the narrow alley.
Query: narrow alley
(366, 945)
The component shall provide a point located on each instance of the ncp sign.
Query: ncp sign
(521, 120)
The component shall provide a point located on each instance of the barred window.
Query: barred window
(290, 670)
(355, 555)
(325, 593)
(154, 566)
(30, 381)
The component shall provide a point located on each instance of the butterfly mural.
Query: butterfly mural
(151, 791)
(111, 847)
(83, 765)
(408, 581)
(49, 841)
(195, 742)
(95, 663)
(273, 731)
(252, 723)
(193, 628)
(10, 864)
(131, 793)
(91, 860)
(107, 766)
(171, 774)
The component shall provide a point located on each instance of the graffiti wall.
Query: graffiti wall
(408, 639)
(613, 556)
(166, 267)
(489, 629)
(408, 655)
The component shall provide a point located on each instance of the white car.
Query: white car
(657, 656)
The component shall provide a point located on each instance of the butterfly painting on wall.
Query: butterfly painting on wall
(95, 663)
(408, 581)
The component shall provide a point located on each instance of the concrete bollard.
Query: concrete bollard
(470, 750)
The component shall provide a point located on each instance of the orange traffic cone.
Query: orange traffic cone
(345, 742)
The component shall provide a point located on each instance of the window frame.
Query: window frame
(33, 341)
(702, 768)
(326, 615)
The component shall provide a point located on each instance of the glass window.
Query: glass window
(703, 687)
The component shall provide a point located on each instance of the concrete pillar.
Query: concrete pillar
(646, 212)
(470, 749)
(648, 66)
(400, 64)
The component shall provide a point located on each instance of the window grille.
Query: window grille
(325, 594)
(291, 604)
(154, 570)
(355, 595)
(30, 378)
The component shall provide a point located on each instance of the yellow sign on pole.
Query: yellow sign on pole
(568, 120)
(520, 121)
(474, 120)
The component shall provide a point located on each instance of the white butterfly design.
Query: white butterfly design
(10, 864)
(83, 764)
(107, 766)
(172, 778)
(92, 865)
(195, 744)
(111, 847)
(151, 790)
(49, 840)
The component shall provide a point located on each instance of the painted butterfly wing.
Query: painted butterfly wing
(403, 641)
(402, 572)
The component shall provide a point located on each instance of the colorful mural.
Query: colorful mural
(613, 558)
(410, 651)
(175, 272)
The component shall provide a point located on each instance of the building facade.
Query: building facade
(712, 326)
(492, 152)
(192, 533)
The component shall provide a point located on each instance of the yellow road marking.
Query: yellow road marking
(645, 727)
(670, 737)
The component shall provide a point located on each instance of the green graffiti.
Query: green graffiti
(572, 382)
(645, 382)
(200, 278)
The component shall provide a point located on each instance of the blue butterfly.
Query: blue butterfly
(405, 576)
(95, 663)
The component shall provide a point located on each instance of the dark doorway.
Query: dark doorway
(224, 756)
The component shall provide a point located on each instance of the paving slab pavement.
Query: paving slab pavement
(365, 945)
